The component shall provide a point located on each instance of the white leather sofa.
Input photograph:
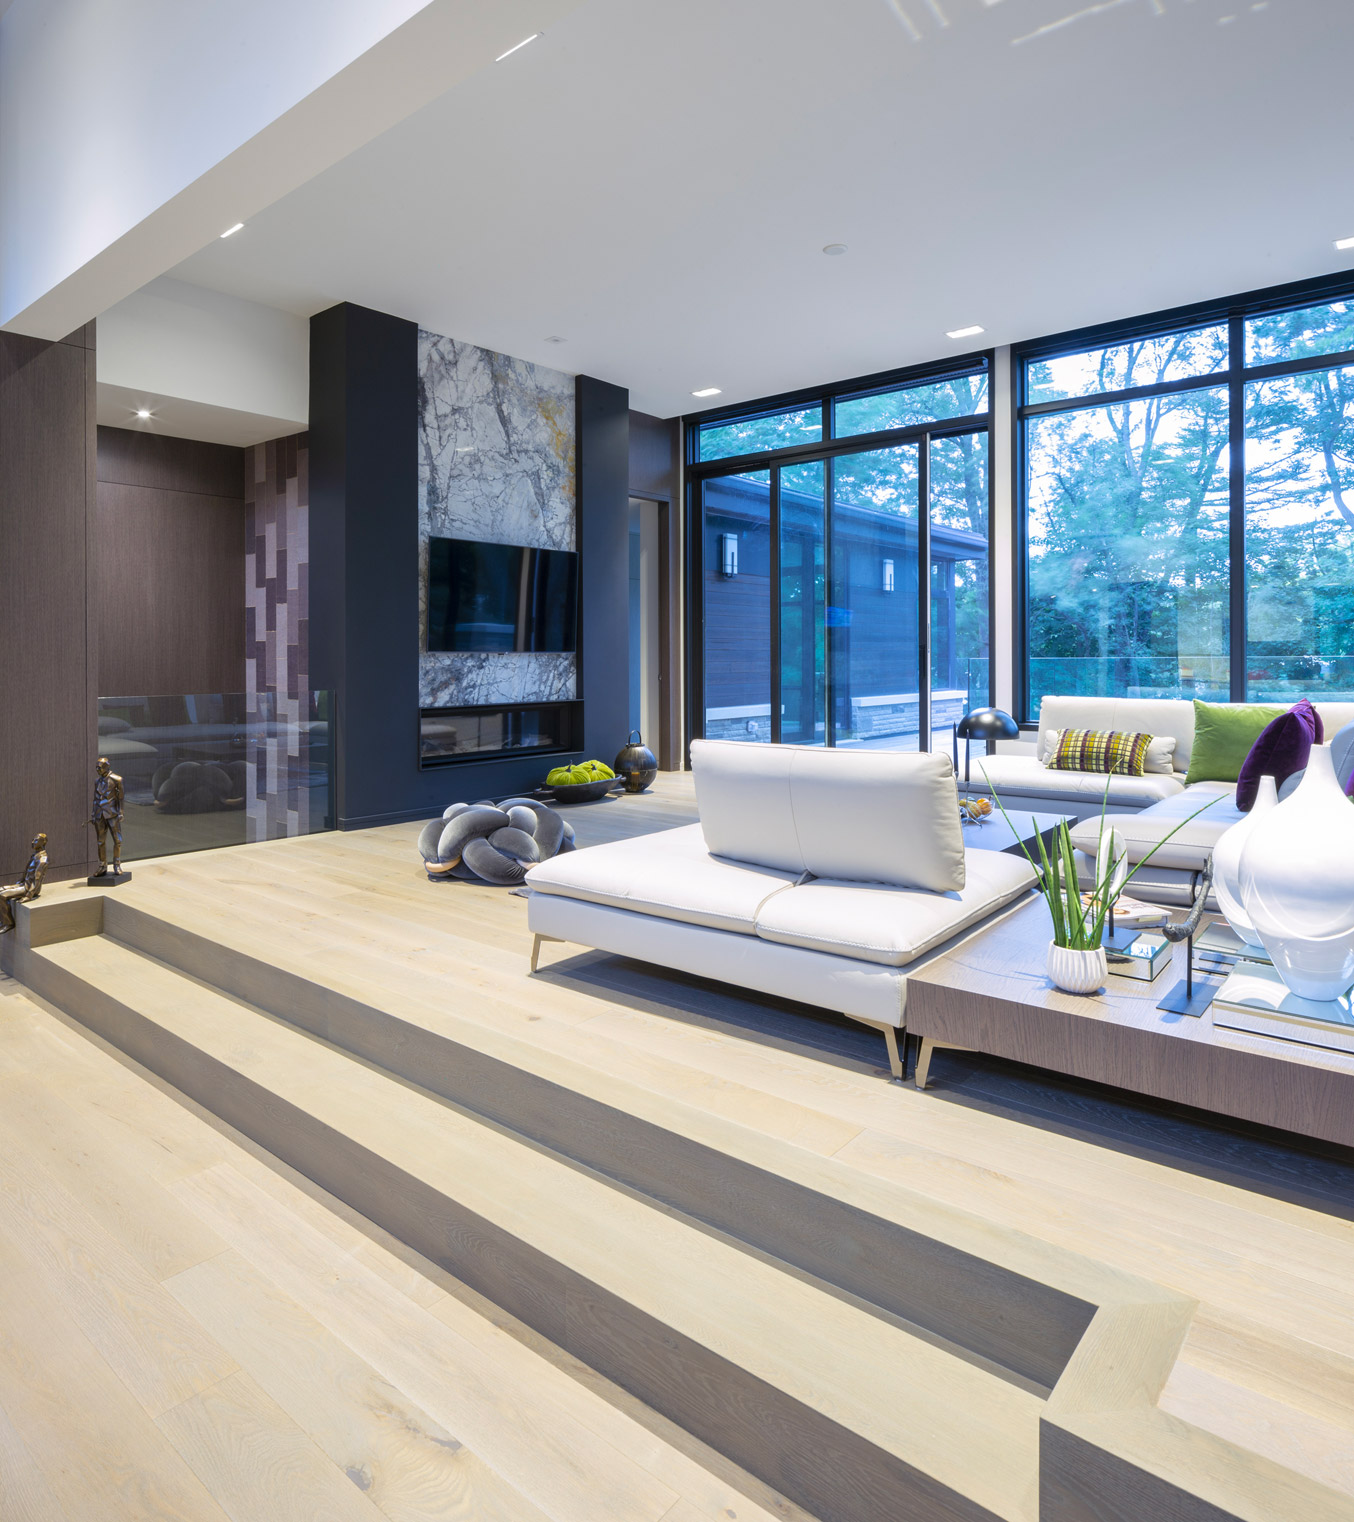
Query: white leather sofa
(822, 876)
(1146, 808)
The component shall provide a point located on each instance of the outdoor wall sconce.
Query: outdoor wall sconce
(728, 554)
(888, 576)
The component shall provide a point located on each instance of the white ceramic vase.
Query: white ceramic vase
(1296, 877)
(1076, 972)
(1227, 863)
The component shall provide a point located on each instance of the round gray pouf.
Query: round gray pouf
(492, 842)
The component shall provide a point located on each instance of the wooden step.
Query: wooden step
(865, 1350)
(849, 1414)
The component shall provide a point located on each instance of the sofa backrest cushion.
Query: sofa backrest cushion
(857, 816)
(1153, 716)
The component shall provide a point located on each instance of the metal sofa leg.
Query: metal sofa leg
(536, 949)
(895, 1057)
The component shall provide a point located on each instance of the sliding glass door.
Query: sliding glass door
(839, 549)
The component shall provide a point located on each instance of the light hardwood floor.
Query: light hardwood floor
(165, 1357)
(208, 1349)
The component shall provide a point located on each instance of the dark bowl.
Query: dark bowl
(583, 792)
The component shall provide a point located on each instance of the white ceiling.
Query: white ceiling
(654, 181)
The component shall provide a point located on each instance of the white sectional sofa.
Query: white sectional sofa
(822, 876)
(1146, 808)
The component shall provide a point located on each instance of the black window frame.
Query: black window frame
(830, 446)
(1233, 311)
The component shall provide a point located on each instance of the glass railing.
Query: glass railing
(218, 769)
(1180, 676)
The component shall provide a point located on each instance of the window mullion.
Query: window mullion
(1236, 489)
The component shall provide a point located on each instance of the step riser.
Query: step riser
(829, 1470)
(1015, 1322)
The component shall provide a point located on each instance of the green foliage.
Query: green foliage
(1129, 554)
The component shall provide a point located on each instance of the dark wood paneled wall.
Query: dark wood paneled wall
(48, 659)
(656, 475)
(169, 565)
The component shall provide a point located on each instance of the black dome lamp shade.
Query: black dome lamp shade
(982, 724)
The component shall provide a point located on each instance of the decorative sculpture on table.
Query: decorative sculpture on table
(493, 842)
(29, 888)
(106, 817)
(1227, 863)
(1297, 883)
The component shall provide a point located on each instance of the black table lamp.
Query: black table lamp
(982, 724)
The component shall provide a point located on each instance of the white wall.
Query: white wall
(108, 111)
(131, 135)
(178, 340)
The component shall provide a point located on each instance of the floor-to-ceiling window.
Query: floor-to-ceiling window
(1188, 505)
(840, 547)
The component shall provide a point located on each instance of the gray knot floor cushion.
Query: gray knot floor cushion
(493, 842)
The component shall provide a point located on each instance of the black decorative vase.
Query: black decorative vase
(637, 764)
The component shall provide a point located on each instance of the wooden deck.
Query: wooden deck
(189, 1329)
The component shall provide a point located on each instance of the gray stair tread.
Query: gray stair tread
(966, 1428)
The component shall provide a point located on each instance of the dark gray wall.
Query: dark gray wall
(169, 565)
(364, 570)
(47, 668)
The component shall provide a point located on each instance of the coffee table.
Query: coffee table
(994, 834)
(991, 994)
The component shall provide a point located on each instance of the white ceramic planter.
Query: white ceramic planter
(1297, 883)
(1077, 972)
(1227, 863)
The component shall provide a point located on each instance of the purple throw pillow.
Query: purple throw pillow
(1283, 746)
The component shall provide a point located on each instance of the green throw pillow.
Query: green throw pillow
(1223, 736)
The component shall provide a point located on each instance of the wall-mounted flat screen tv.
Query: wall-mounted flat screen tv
(501, 597)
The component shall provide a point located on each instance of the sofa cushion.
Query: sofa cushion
(1155, 716)
(669, 874)
(1223, 736)
(1282, 749)
(891, 926)
(1160, 752)
(1120, 751)
(1026, 777)
(860, 815)
(1189, 849)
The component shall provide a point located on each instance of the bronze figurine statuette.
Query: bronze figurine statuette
(106, 817)
(29, 888)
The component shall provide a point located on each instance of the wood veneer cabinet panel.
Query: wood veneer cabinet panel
(170, 591)
(161, 463)
(46, 492)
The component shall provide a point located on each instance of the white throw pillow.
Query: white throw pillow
(1160, 753)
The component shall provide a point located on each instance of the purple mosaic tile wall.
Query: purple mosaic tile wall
(277, 628)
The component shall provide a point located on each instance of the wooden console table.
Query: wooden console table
(992, 995)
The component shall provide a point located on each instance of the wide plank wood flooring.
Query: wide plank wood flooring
(210, 1341)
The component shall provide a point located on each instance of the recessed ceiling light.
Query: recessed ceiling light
(143, 413)
(1343, 243)
(708, 391)
(231, 231)
(517, 45)
(964, 332)
(834, 248)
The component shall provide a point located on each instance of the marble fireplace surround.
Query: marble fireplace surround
(496, 463)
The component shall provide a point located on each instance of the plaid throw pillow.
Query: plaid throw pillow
(1100, 750)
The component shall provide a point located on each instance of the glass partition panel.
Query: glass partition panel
(1128, 568)
(872, 613)
(767, 430)
(803, 523)
(957, 480)
(909, 406)
(218, 769)
(1143, 362)
(736, 591)
(1300, 537)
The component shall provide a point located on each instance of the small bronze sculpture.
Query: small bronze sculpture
(30, 887)
(106, 817)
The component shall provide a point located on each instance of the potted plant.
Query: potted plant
(1076, 954)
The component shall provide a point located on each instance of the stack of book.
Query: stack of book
(1255, 999)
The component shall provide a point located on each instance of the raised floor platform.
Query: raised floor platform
(877, 1303)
